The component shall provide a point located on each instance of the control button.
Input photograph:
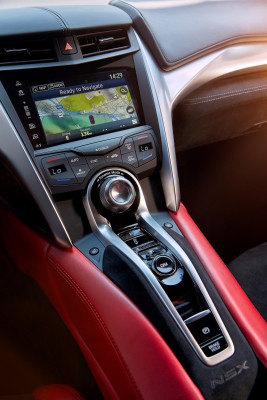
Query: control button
(130, 159)
(163, 265)
(94, 251)
(98, 148)
(144, 246)
(168, 225)
(214, 347)
(124, 236)
(127, 147)
(135, 232)
(80, 171)
(156, 250)
(18, 84)
(95, 161)
(32, 126)
(137, 241)
(67, 45)
(113, 156)
(130, 234)
(204, 329)
(150, 253)
(27, 112)
(144, 256)
(74, 159)
(21, 92)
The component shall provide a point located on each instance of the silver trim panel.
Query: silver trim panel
(197, 316)
(105, 234)
(169, 88)
(12, 147)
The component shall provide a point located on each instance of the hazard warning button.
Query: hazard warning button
(67, 45)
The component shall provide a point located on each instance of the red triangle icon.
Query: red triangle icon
(68, 47)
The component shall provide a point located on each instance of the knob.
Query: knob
(117, 194)
(163, 265)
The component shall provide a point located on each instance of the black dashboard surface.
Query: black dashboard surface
(62, 21)
(177, 32)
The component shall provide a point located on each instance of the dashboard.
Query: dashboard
(86, 131)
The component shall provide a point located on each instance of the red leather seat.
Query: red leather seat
(56, 392)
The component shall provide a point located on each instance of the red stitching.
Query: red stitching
(225, 95)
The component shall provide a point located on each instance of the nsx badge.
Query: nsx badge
(230, 374)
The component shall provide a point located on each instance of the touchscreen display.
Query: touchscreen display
(72, 112)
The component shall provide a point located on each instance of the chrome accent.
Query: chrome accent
(108, 39)
(168, 172)
(14, 150)
(175, 278)
(169, 88)
(105, 234)
(114, 198)
(197, 316)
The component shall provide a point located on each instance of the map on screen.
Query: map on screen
(72, 113)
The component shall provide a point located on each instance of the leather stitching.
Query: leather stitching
(85, 300)
(215, 97)
(59, 16)
(59, 20)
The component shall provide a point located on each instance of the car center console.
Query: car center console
(93, 133)
(88, 130)
(116, 195)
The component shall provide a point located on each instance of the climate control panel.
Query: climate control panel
(71, 168)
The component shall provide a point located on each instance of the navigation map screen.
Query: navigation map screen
(72, 112)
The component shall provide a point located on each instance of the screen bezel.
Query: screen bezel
(85, 79)
(71, 75)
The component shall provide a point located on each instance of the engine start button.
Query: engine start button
(163, 265)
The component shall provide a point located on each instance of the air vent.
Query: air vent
(25, 52)
(103, 42)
